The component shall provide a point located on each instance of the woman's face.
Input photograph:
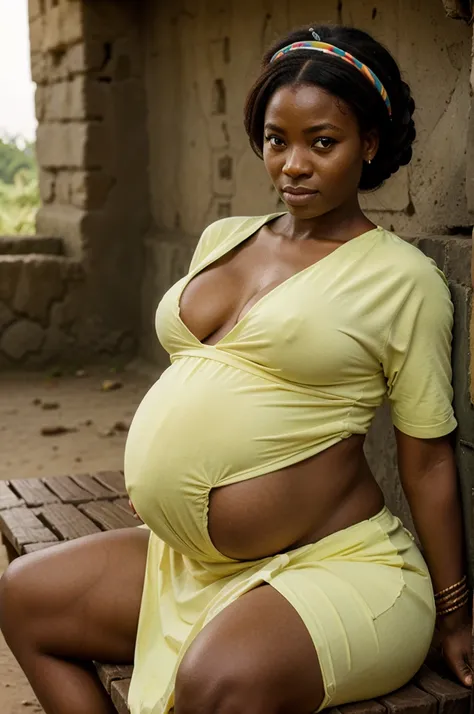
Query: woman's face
(313, 150)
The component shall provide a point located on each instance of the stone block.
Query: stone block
(40, 102)
(38, 67)
(25, 245)
(458, 260)
(37, 33)
(63, 187)
(47, 182)
(65, 222)
(463, 407)
(21, 339)
(71, 145)
(6, 316)
(86, 99)
(41, 281)
(85, 57)
(10, 269)
(434, 247)
(35, 8)
(471, 365)
(465, 468)
(56, 101)
(64, 26)
(89, 189)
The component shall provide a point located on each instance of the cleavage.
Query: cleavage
(221, 295)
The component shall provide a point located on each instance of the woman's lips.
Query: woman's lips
(298, 199)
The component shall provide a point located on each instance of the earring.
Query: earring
(369, 161)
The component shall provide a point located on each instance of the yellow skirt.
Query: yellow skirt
(364, 593)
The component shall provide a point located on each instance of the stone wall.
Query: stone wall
(88, 64)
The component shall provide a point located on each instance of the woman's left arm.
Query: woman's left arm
(428, 476)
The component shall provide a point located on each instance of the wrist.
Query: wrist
(447, 624)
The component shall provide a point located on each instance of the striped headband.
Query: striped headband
(332, 50)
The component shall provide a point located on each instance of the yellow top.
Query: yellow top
(306, 367)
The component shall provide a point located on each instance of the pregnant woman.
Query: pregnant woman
(269, 577)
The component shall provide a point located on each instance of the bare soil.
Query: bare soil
(86, 418)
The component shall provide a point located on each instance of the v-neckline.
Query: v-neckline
(213, 258)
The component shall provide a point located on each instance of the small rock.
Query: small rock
(7, 684)
(78, 459)
(36, 402)
(50, 405)
(55, 447)
(88, 422)
(107, 433)
(56, 372)
(81, 373)
(27, 703)
(109, 385)
(55, 430)
(121, 426)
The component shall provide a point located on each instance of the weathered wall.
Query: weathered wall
(87, 61)
(201, 59)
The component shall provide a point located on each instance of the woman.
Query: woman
(269, 576)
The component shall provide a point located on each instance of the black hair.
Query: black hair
(343, 80)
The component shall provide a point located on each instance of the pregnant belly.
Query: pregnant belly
(204, 426)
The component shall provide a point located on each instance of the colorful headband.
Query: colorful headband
(332, 50)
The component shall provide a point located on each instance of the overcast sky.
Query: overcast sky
(17, 115)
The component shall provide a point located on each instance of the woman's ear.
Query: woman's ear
(370, 145)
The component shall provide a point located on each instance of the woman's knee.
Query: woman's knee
(15, 598)
(204, 686)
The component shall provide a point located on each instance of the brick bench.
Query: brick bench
(38, 513)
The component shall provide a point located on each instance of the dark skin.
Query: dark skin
(61, 608)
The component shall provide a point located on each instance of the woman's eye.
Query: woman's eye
(274, 141)
(325, 142)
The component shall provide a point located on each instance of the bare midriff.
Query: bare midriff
(302, 503)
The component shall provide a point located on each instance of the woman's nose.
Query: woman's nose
(297, 164)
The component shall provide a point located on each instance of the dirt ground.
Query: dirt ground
(96, 406)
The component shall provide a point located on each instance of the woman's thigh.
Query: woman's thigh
(79, 599)
(255, 656)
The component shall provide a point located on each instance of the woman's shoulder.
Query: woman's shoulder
(403, 256)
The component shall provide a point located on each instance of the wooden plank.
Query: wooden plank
(21, 527)
(67, 522)
(109, 673)
(409, 700)
(452, 698)
(367, 707)
(119, 694)
(33, 491)
(8, 498)
(67, 490)
(33, 547)
(95, 489)
(107, 515)
(125, 506)
(113, 480)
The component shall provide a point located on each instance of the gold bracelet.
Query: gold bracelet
(443, 593)
(455, 593)
(458, 606)
(452, 601)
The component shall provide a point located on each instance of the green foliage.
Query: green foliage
(13, 158)
(19, 194)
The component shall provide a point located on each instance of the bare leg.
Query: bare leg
(256, 657)
(65, 606)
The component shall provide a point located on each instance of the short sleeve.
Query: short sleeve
(417, 356)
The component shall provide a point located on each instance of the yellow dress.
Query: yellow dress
(306, 367)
